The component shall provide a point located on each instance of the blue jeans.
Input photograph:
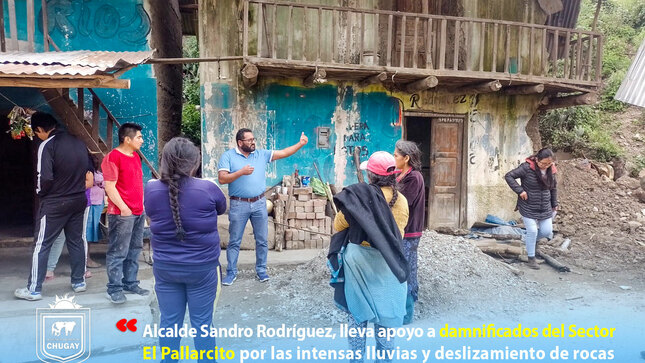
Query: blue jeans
(125, 240)
(179, 285)
(239, 213)
(535, 230)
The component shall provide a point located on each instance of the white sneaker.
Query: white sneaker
(25, 294)
(79, 287)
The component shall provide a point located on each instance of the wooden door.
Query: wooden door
(444, 202)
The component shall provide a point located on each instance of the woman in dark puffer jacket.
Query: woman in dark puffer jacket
(537, 198)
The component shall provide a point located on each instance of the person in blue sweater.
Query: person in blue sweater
(183, 214)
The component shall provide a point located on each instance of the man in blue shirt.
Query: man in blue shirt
(244, 169)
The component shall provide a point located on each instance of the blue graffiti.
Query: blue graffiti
(105, 22)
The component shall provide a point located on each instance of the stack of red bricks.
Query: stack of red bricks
(306, 216)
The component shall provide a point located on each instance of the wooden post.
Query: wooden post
(543, 55)
(95, 118)
(378, 78)
(45, 25)
(274, 35)
(31, 27)
(524, 90)
(469, 48)
(455, 62)
(304, 33)
(598, 77)
(519, 49)
(554, 53)
(507, 56)
(389, 40)
(290, 33)
(579, 57)
(13, 27)
(317, 77)
(422, 84)
(589, 56)
(482, 44)
(245, 37)
(429, 45)
(531, 50)
(402, 51)
(260, 21)
(486, 87)
(495, 49)
(414, 43)
(3, 46)
(333, 36)
(80, 105)
(319, 34)
(569, 101)
(250, 75)
(442, 44)
(361, 39)
(348, 45)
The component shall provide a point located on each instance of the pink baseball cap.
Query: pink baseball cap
(380, 163)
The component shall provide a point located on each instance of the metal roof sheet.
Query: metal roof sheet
(632, 90)
(81, 62)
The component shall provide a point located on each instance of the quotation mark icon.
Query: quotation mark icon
(124, 325)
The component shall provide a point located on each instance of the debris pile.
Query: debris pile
(455, 279)
(604, 219)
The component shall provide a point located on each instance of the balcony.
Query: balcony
(412, 51)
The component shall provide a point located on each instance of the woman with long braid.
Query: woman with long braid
(370, 226)
(183, 214)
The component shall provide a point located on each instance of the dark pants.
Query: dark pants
(55, 215)
(125, 240)
(180, 285)
(410, 248)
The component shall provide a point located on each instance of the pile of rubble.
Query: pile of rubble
(455, 279)
(605, 219)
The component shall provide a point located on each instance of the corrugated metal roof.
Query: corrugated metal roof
(568, 17)
(632, 90)
(81, 62)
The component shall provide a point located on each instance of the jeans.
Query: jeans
(535, 230)
(239, 213)
(125, 240)
(56, 251)
(196, 286)
(357, 343)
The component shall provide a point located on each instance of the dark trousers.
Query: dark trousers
(180, 285)
(55, 215)
(125, 240)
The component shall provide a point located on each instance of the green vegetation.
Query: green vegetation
(587, 130)
(191, 115)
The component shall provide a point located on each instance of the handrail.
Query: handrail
(114, 120)
(418, 41)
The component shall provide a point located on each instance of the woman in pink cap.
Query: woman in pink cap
(373, 283)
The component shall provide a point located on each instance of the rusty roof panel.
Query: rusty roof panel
(632, 90)
(82, 62)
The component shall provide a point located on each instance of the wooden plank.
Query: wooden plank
(13, 29)
(589, 56)
(455, 61)
(579, 57)
(507, 55)
(35, 82)
(31, 27)
(469, 45)
(414, 43)
(319, 33)
(95, 118)
(3, 46)
(348, 45)
(333, 36)
(422, 84)
(290, 33)
(45, 24)
(402, 51)
(429, 45)
(495, 47)
(519, 49)
(442, 44)
(554, 53)
(377, 78)
(482, 44)
(304, 33)
(598, 75)
(108, 134)
(565, 55)
(361, 39)
(245, 41)
(543, 53)
(274, 35)
(531, 50)
(389, 40)
(260, 21)
(80, 104)
(524, 90)
(376, 39)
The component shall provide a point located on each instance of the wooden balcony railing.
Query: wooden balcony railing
(440, 45)
(11, 43)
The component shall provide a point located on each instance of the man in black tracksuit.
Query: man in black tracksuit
(60, 186)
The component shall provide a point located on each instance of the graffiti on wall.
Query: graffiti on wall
(358, 138)
(130, 23)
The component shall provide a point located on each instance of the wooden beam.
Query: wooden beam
(377, 78)
(524, 90)
(569, 101)
(317, 77)
(422, 84)
(486, 87)
(34, 82)
(250, 75)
